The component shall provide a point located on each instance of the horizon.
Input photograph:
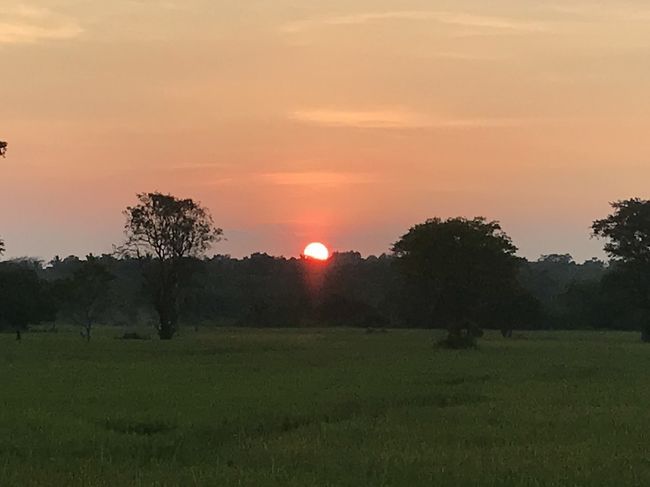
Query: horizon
(347, 123)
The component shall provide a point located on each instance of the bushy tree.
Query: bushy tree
(627, 234)
(456, 273)
(24, 298)
(164, 232)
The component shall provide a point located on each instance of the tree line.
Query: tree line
(458, 274)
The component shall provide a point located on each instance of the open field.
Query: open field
(324, 407)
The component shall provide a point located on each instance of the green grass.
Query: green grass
(324, 407)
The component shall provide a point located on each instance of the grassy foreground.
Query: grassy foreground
(324, 407)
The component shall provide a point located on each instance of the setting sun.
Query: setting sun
(316, 250)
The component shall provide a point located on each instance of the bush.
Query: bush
(458, 341)
(133, 336)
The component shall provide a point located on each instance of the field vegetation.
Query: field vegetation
(319, 407)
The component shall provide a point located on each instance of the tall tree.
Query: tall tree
(164, 232)
(456, 273)
(627, 234)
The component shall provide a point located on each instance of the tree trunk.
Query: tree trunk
(88, 325)
(645, 333)
(168, 318)
(166, 302)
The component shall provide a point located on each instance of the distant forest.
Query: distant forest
(458, 274)
(262, 290)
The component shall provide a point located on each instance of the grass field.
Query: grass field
(324, 407)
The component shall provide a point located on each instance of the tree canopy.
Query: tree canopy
(164, 231)
(169, 228)
(24, 298)
(457, 272)
(627, 234)
(627, 230)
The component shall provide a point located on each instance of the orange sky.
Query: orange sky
(345, 121)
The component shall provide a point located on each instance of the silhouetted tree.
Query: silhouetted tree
(164, 231)
(86, 293)
(618, 305)
(3, 151)
(24, 298)
(627, 234)
(456, 271)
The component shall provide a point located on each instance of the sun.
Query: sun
(316, 250)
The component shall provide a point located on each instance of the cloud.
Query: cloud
(616, 11)
(25, 24)
(393, 119)
(449, 18)
(463, 56)
(360, 119)
(317, 178)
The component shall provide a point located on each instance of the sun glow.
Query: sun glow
(316, 250)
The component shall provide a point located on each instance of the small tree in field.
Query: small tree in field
(85, 294)
(165, 231)
(3, 151)
(627, 230)
(457, 273)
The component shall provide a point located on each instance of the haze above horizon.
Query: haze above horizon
(345, 123)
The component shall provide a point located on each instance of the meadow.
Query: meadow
(324, 407)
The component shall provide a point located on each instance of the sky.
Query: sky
(343, 121)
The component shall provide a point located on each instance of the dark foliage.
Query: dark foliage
(133, 336)
(460, 275)
(84, 296)
(568, 293)
(266, 291)
(627, 234)
(24, 298)
(458, 341)
(165, 233)
(457, 274)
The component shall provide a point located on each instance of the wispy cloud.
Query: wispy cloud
(360, 119)
(394, 119)
(307, 178)
(614, 11)
(317, 178)
(464, 56)
(460, 19)
(25, 24)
